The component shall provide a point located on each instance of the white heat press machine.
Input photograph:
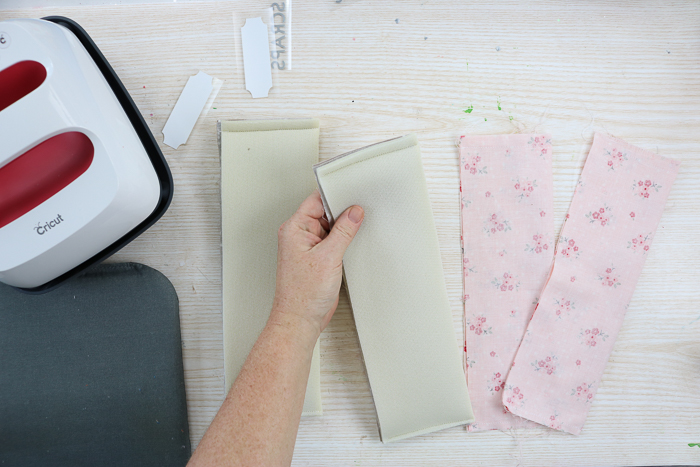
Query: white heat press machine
(80, 172)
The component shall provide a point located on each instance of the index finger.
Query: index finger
(312, 206)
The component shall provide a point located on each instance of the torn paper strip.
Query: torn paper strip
(187, 109)
(256, 57)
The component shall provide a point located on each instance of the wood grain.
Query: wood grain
(630, 69)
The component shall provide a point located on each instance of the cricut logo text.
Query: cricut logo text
(42, 229)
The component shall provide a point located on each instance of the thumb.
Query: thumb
(344, 230)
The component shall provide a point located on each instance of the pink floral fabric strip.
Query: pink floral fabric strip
(600, 253)
(507, 243)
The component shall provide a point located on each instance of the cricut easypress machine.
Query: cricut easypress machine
(80, 173)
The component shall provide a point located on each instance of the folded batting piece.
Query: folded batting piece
(507, 246)
(395, 282)
(265, 176)
(601, 250)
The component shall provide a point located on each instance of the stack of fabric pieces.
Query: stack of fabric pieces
(541, 315)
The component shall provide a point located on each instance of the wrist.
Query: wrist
(304, 329)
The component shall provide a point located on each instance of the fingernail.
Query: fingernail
(356, 214)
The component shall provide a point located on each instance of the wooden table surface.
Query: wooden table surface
(375, 70)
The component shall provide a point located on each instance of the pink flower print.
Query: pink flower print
(494, 224)
(540, 145)
(609, 278)
(466, 202)
(467, 268)
(615, 158)
(578, 362)
(471, 164)
(513, 395)
(496, 383)
(583, 392)
(493, 354)
(547, 364)
(563, 307)
(478, 325)
(644, 188)
(632, 215)
(538, 244)
(640, 243)
(591, 337)
(568, 248)
(573, 278)
(554, 422)
(525, 188)
(600, 215)
(488, 194)
(506, 283)
(542, 213)
(513, 313)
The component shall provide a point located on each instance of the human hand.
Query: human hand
(310, 262)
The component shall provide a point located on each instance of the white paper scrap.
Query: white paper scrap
(256, 57)
(187, 109)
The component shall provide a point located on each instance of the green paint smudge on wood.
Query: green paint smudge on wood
(694, 444)
(510, 118)
(469, 109)
(498, 103)
(485, 119)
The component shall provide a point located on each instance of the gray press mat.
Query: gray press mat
(91, 373)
